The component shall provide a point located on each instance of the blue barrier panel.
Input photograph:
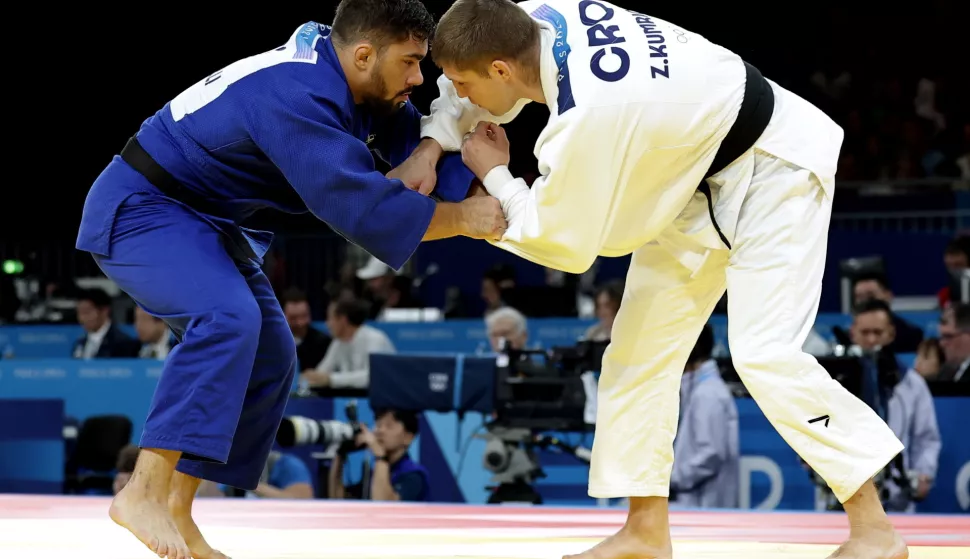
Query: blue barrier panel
(31, 445)
(453, 336)
(771, 475)
(96, 387)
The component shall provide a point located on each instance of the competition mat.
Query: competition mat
(79, 528)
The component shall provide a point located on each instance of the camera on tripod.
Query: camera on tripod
(537, 391)
(336, 435)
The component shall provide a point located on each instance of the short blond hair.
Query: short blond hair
(473, 33)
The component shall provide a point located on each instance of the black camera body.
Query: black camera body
(536, 391)
(544, 390)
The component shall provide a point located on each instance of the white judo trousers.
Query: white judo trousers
(773, 276)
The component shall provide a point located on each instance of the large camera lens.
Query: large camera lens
(298, 431)
(302, 431)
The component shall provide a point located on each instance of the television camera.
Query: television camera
(537, 392)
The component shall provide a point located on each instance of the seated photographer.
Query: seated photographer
(706, 450)
(910, 411)
(394, 476)
(284, 477)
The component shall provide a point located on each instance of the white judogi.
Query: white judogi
(637, 115)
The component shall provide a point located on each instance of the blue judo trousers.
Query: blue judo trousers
(278, 130)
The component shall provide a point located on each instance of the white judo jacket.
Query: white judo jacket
(638, 108)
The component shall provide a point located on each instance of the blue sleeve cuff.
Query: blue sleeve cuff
(454, 178)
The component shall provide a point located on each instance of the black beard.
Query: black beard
(380, 107)
(378, 102)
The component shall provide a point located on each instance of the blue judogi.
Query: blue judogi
(277, 130)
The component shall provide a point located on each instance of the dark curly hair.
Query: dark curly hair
(382, 22)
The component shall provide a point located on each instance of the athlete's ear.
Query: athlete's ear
(500, 69)
(364, 55)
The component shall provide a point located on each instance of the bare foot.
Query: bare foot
(198, 547)
(881, 542)
(150, 522)
(625, 545)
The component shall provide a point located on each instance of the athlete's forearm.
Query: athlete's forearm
(445, 223)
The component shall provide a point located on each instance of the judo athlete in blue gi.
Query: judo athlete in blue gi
(290, 129)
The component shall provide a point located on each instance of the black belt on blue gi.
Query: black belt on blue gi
(756, 109)
(135, 155)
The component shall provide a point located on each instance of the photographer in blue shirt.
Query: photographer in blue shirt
(394, 475)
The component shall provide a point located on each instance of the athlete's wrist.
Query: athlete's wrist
(499, 182)
(429, 149)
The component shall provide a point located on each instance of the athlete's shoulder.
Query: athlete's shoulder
(302, 63)
(307, 48)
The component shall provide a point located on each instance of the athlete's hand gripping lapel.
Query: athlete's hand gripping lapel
(418, 172)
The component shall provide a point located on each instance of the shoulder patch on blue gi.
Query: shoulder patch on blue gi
(560, 49)
(306, 39)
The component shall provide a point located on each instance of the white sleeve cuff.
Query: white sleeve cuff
(500, 183)
(439, 127)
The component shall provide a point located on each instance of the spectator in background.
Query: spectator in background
(311, 344)
(378, 279)
(929, 359)
(125, 467)
(608, 298)
(395, 476)
(876, 286)
(155, 337)
(347, 361)
(707, 449)
(101, 338)
(495, 280)
(955, 340)
(506, 324)
(956, 258)
(910, 412)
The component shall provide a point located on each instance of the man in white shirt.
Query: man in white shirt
(347, 362)
(664, 145)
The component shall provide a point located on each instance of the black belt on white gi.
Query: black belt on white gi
(756, 109)
(140, 160)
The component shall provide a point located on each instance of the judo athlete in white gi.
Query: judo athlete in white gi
(649, 125)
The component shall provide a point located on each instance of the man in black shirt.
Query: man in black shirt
(311, 344)
(876, 286)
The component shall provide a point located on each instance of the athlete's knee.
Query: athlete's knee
(773, 359)
(238, 319)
